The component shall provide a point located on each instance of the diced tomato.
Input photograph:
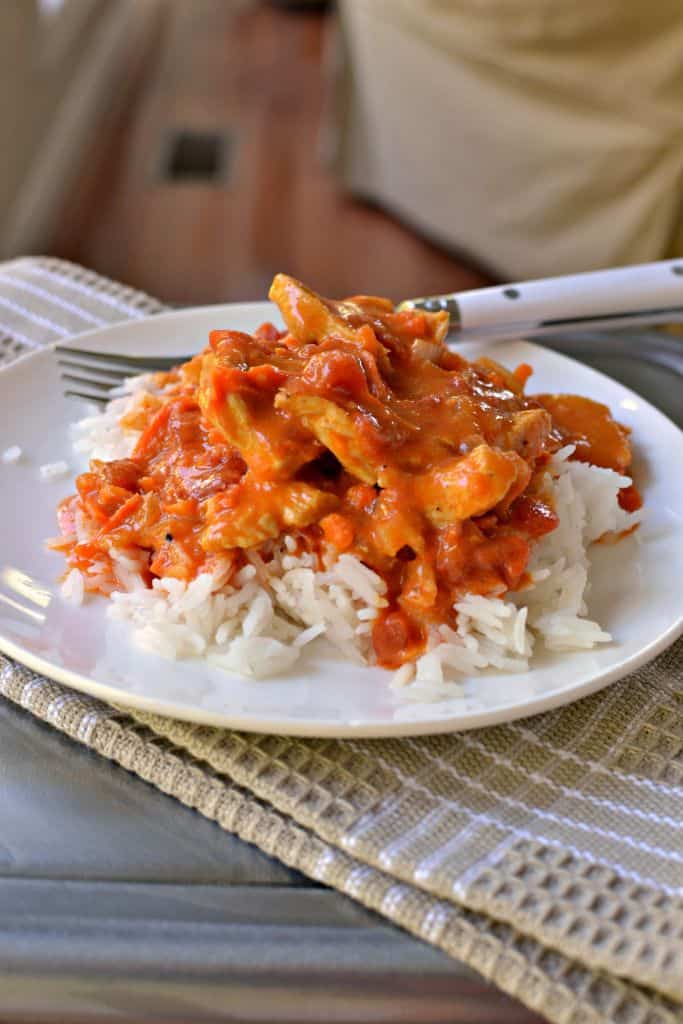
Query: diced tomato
(409, 322)
(338, 531)
(522, 373)
(505, 557)
(216, 338)
(268, 332)
(452, 362)
(533, 516)
(337, 371)
(397, 638)
(266, 377)
(630, 499)
(361, 497)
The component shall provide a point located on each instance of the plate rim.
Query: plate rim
(331, 728)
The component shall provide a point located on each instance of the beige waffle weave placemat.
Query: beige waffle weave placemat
(547, 854)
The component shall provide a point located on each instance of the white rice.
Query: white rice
(73, 587)
(258, 624)
(53, 471)
(11, 454)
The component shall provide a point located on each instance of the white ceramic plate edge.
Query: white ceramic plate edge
(345, 730)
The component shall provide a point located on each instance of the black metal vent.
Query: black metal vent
(197, 156)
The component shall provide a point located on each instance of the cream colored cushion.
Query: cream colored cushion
(541, 136)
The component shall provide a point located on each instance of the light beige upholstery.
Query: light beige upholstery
(541, 136)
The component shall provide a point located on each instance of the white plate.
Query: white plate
(636, 592)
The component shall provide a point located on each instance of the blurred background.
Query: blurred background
(193, 148)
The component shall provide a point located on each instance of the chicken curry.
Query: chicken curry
(355, 429)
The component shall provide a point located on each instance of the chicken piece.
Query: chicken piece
(311, 318)
(589, 425)
(308, 316)
(472, 485)
(396, 523)
(347, 369)
(351, 436)
(341, 398)
(244, 352)
(528, 432)
(239, 404)
(420, 588)
(500, 374)
(254, 511)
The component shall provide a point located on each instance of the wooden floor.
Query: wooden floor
(256, 73)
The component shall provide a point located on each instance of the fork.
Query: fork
(95, 375)
(623, 297)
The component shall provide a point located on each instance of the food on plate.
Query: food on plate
(347, 475)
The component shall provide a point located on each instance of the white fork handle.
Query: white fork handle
(649, 287)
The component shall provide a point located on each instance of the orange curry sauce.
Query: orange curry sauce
(355, 430)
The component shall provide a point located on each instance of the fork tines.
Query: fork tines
(95, 375)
